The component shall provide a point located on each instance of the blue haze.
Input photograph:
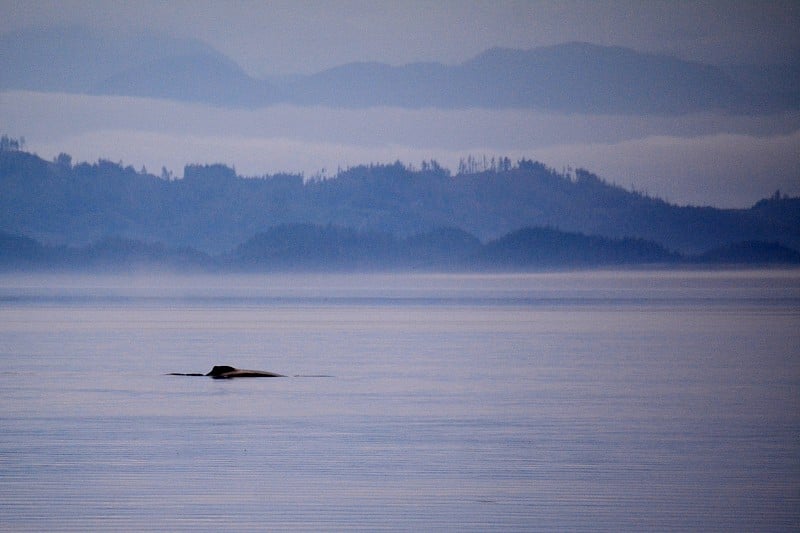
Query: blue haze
(687, 127)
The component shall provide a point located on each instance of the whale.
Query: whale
(230, 372)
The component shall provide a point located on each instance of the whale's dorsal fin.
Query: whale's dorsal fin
(220, 370)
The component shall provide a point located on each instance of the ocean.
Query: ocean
(610, 400)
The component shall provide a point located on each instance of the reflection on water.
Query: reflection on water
(534, 402)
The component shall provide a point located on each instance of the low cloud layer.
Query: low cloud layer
(699, 159)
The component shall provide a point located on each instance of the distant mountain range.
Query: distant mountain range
(573, 77)
(503, 215)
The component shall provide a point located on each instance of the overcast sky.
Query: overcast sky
(727, 161)
(295, 36)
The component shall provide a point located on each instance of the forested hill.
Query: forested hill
(213, 210)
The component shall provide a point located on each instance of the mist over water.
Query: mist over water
(591, 401)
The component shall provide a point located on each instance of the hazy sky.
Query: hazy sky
(303, 36)
(698, 159)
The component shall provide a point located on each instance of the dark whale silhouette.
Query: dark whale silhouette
(229, 372)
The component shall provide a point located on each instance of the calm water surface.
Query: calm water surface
(582, 401)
